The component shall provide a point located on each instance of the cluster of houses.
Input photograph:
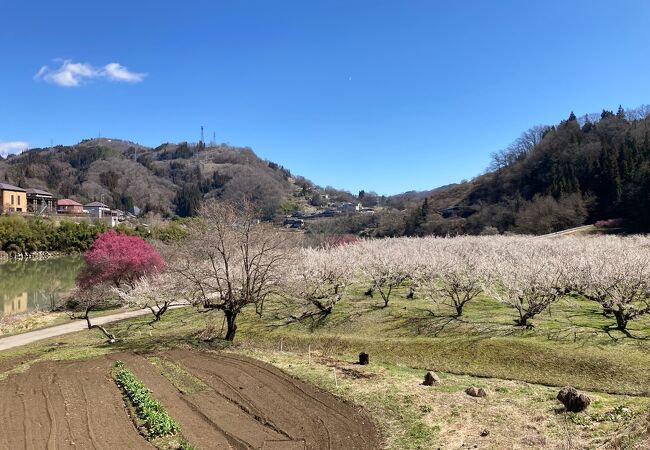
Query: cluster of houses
(14, 199)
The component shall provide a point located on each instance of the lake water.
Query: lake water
(31, 285)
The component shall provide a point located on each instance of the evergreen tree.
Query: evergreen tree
(188, 200)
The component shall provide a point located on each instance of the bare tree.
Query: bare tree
(522, 146)
(92, 298)
(233, 260)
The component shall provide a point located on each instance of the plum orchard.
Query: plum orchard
(231, 260)
(527, 274)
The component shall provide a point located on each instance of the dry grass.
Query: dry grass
(22, 323)
(515, 414)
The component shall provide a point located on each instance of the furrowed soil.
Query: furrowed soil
(64, 405)
(221, 401)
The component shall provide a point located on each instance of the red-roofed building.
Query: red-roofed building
(67, 206)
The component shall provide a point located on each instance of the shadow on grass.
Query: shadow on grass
(610, 329)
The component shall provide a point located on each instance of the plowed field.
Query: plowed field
(221, 401)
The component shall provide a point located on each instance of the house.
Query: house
(97, 209)
(67, 206)
(39, 201)
(12, 199)
(350, 207)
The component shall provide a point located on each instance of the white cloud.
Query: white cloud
(118, 72)
(9, 147)
(72, 74)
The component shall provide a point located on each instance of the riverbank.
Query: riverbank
(34, 256)
(29, 321)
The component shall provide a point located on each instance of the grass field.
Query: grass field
(521, 369)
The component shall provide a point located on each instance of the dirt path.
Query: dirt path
(58, 330)
(238, 404)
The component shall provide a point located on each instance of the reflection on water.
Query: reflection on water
(30, 285)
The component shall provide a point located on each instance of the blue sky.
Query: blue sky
(375, 95)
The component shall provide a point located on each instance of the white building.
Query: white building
(97, 209)
(350, 207)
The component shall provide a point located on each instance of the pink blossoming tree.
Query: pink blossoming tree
(119, 259)
(113, 259)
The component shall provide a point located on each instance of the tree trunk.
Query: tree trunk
(109, 336)
(621, 320)
(459, 309)
(231, 318)
(523, 320)
(161, 310)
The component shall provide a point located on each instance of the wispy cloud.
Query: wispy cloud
(10, 147)
(117, 72)
(72, 74)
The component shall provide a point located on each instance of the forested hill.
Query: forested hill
(582, 170)
(170, 179)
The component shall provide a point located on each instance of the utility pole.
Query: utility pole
(201, 144)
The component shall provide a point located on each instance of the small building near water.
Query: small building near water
(12, 199)
(40, 201)
(68, 206)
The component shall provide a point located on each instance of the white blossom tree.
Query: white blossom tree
(387, 264)
(318, 280)
(527, 277)
(615, 272)
(455, 271)
(158, 292)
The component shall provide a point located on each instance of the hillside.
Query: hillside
(579, 171)
(169, 179)
(582, 170)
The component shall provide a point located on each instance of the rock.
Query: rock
(572, 400)
(430, 379)
(364, 359)
(485, 433)
(476, 392)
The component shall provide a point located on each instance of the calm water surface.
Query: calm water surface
(30, 285)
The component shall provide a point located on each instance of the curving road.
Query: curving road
(75, 325)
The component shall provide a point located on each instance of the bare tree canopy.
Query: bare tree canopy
(516, 151)
(233, 259)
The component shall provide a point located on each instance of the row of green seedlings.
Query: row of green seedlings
(157, 422)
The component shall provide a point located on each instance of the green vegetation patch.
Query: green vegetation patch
(153, 416)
